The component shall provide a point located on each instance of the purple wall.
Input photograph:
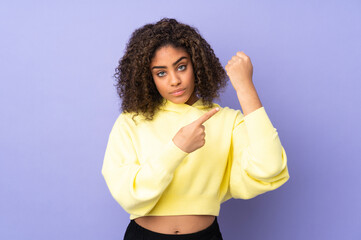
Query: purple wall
(58, 104)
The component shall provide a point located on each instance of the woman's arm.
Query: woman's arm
(137, 187)
(258, 161)
(240, 71)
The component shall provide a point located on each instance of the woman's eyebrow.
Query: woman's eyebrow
(173, 63)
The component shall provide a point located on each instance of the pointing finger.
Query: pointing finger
(207, 116)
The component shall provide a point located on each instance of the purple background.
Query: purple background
(58, 105)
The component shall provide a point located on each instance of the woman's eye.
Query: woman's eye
(159, 75)
(182, 66)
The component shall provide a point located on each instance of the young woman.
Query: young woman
(173, 156)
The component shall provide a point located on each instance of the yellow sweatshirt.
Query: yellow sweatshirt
(148, 175)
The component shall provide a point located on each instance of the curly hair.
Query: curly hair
(134, 81)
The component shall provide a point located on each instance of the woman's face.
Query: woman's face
(172, 69)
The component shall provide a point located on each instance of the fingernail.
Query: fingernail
(217, 108)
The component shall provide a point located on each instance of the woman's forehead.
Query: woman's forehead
(168, 55)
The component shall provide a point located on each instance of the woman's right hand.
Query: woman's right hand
(192, 136)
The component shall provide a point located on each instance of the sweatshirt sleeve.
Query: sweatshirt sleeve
(258, 160)
(137, 187)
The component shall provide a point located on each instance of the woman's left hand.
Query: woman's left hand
(240, 70)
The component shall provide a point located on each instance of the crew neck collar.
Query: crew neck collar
(168, 105)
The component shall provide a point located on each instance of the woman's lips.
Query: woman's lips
(178, 93)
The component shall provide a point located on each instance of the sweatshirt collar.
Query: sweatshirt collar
(168, 105)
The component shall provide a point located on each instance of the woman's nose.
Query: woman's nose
(174, 79)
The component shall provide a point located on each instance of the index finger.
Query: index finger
(207, 115)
